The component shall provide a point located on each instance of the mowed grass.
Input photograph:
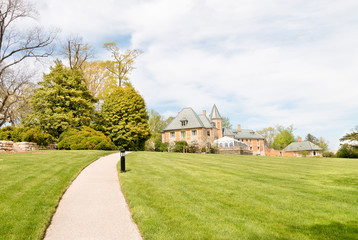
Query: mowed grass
(196, 196)
(31, 185)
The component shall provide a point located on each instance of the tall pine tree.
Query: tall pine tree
(62, 101)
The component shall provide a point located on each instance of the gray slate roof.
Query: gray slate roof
(302, 146)
(244, 134)
(194, 120)
(214, 113)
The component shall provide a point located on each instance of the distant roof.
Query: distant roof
(302, 146)
(214, 113)
(193, 120)
(244, 134)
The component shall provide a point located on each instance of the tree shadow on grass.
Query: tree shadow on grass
(334, 230)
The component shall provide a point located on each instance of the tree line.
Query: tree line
(88, 96)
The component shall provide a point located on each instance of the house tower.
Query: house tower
(215, 117)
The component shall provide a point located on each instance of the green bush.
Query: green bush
(180, 146)
(213, 149)
(328, 154)
(26, 135)
(6, 133)
(194, 147)
(84, 138)
(160, 147)
(347, 151)
(304, 153)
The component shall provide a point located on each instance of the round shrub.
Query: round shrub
(84, 138)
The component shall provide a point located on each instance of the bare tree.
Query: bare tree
(122, 64)
(17, 45)
(77, 52)
(15, 90)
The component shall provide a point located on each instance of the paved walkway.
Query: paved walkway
(94, 207)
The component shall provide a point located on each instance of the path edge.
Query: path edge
(59, 200)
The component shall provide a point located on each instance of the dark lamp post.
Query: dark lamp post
(123, 161)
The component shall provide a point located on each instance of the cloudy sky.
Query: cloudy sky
(263, 63)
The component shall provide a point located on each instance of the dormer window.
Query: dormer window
(184, 122)
(213, 124)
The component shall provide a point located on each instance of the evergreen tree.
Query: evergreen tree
(125, 119)
(62, 101)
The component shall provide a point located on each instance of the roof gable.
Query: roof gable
(188, 115)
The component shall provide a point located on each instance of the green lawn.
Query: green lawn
(31, 186)
(195, 196)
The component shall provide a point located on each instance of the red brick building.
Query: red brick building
(192, 127)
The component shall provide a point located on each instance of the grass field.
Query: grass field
(195, 196)
(31, 186)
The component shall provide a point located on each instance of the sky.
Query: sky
(263, 63)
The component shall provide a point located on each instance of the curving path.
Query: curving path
(93, 207)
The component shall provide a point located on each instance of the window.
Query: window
(251, 148)
(258, 148)
(208, 132)
(172, 134)
(183, 134)
(184, 122)
(194, 132)
(314, 153)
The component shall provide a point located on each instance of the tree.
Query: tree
(122, 64)
(97, 79)
(284, 137)
(311, 139)
(156, 125)
(323, 143)
(16, 46)
(347, 151)
(77, 52)
(352, 137)
(125, 119)
(15, 91)
(269, 134)
(350, 148)
(61, 101)
(226, 122)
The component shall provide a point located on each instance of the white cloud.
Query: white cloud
(261, 62)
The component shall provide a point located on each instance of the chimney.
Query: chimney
(299, 139)
(204, 112)
(239, 128)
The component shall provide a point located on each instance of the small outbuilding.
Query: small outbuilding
(305, 148)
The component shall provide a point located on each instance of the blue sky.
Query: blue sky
(262, 63)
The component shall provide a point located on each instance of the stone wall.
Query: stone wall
(10, 146)
(6, 146)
